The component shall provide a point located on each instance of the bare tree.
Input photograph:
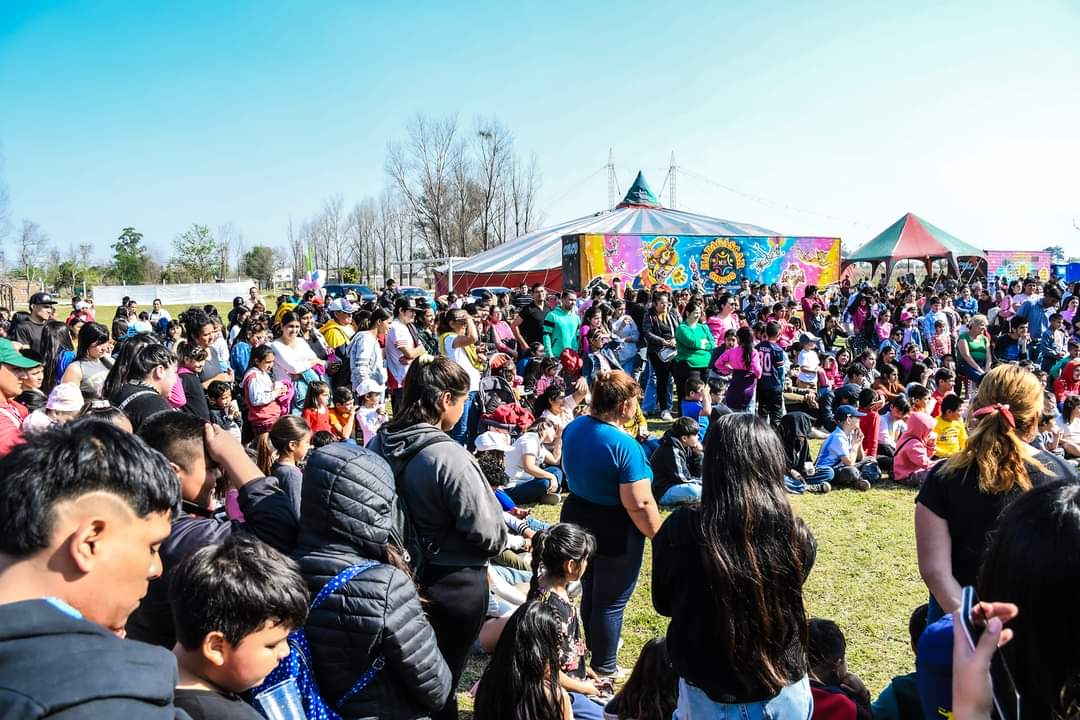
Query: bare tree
(32, 244)
(360, 226)
(422, 170)
(297, 250)
(85, 253)
(524, 184)
(227, 240)
(494, 156)
(5, 207)
(331, 229)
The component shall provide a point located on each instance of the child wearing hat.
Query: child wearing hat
(14, 370)
(63, 406)
(843, 451)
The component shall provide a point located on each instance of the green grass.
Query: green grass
(866, 579)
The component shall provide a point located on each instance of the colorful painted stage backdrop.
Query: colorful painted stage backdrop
(1014, 265)
(679, 260)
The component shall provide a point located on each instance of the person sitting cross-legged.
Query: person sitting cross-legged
(676, 464)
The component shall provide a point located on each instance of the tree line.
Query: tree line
(452, 190)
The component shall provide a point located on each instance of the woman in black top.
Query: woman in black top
(961, 500)
(729, 573)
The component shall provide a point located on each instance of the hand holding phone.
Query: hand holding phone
(970, 666)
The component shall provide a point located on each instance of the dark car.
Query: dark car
(496, 290)
(362, 291)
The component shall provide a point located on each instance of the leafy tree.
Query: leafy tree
(197, 253)
(1057, 253)
(130, 257)
(258, 263)
(350, 274)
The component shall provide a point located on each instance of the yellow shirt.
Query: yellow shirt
(951, 437)
(638, 426)
(336, 335)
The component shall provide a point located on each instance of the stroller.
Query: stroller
(500, 409)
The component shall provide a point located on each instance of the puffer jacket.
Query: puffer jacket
(346, 515)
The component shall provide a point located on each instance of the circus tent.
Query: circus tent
(912, 238)
(537, 256)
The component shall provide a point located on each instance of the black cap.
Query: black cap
(42, 298)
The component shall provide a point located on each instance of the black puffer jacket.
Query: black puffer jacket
(345, 517)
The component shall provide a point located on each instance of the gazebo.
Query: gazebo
(912, 238)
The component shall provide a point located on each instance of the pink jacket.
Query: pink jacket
(733, 360)
(912, 453)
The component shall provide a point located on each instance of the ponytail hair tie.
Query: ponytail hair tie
(997, 407)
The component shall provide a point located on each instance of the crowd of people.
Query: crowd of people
(189, 502)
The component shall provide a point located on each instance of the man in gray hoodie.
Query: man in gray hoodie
(458, 523)
(83, 511)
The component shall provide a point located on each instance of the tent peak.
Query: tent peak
(639, 194)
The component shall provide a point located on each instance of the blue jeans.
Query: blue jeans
(606, 587)
(794, 702)
(682, 494)
(531, 490)
(798, 487)
(465, 430)
(650, 445)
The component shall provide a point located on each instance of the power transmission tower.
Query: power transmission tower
(611, 190)
(672, 170)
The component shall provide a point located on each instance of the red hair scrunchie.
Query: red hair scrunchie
(1002, 408)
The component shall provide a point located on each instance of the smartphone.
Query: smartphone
(1006, 698)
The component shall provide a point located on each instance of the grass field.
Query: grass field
(866, 579)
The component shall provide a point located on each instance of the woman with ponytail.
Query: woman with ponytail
(280, 452)
(961, 500)
(560, 555)
(456, 519)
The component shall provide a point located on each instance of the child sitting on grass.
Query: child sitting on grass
(676, 464)
(950, 430)
(838, 693)
(233, 606)
(914, 451)
(697, 405)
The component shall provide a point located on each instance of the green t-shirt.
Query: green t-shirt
(977, 348)
(693, 345)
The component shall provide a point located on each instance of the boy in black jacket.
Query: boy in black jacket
(233, 606)
(676, 464)
(198, 452)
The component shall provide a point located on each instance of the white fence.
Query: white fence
(109, 295)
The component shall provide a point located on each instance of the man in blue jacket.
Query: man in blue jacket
(83, 511)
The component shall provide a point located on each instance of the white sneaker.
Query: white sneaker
(666, 416)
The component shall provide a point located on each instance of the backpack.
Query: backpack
(415, 550)
(298, 666)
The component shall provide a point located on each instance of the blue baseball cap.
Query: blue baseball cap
(843, 412)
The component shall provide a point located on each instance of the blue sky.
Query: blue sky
(828, 117)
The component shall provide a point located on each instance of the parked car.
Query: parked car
(416, 293)
(340, 289)
(496, 290)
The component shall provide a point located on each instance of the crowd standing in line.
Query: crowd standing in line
(192, 503)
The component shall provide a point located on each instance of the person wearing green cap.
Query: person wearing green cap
(13, 367)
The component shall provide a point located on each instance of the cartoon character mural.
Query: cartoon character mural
(694, 260)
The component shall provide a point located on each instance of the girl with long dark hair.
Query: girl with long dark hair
(92, 361)
(522, 679)
(744, 366)
(729, 572)
(651, 691)
(55, 341)
(457, 520)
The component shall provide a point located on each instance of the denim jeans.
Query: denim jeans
(531, 490)
(794, 702)
(798, 487)
(682, 494)
(606, 587)
(650, 445)
(584, 708)
(465, 429)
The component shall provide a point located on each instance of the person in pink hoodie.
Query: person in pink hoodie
(915, 450)
(744, 367)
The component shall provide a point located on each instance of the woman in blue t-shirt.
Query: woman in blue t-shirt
(611, 496)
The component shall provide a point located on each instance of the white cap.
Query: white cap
(369, 386)
(492, 440)
(65, 397)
